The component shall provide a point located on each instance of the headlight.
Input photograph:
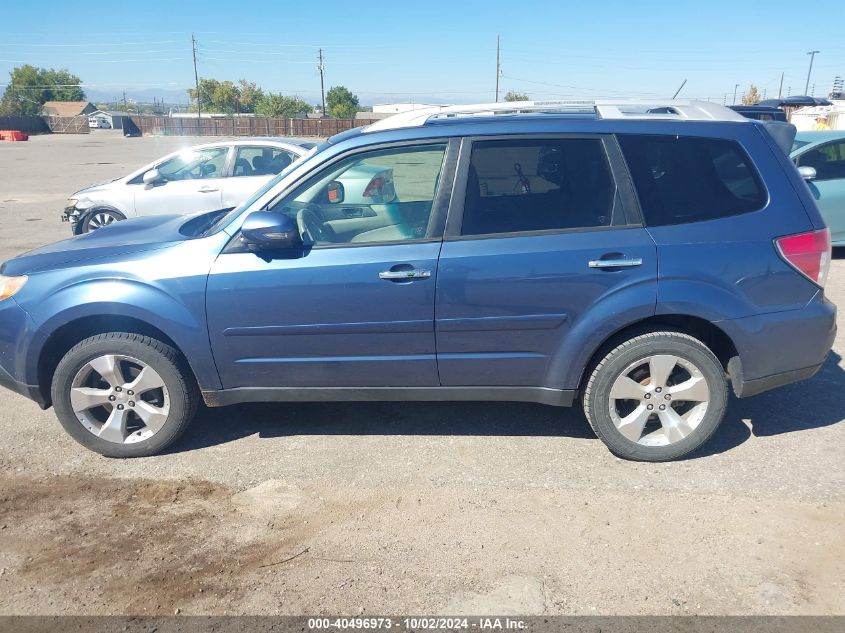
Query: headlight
(71, 202)
(9, 286)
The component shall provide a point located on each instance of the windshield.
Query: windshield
(225, 218)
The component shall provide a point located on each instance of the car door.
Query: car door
(190, 182)
(252, 168)
(539, 244)
(828, 187)
(345, 311)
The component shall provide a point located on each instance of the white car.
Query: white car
(203, 178)
(98, 122)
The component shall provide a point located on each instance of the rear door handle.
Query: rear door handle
(208, 189)
(413, 273)
(625, 262)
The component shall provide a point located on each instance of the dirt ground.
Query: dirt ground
(398, 508)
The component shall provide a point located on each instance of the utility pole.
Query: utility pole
(735, 88)
(780, 88)
(812, 55)
(125, 107)
(498, 68)
(196, 76)
(321, 66)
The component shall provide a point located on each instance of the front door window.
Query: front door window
(379, 196)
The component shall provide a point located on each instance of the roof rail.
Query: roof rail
(603, 109)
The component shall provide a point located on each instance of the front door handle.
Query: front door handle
(208, 189)
(622, 262)
(399, 275)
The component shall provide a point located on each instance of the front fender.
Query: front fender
(175, 307)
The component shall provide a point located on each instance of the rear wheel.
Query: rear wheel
(124, 395)
(656, 396)
(98, 218)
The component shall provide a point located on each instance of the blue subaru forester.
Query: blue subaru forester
(636, 257)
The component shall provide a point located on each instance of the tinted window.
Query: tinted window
(528, 185)
(376, 196)
(828, 161)
(688, 179)
(261, 161)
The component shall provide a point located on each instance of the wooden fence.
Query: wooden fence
(27, 124)
(243, 126)
(68, 124)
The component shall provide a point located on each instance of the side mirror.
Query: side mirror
(152, 177)
(807, 172)
(335, 193)
(270, 231)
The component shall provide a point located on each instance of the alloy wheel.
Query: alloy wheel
(120, 399)
(99, 220)
(659, 400)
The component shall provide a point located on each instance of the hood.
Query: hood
(121, 238)
(95, 188)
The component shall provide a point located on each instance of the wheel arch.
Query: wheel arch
(71, 333)
(94, 209)
(705, 331)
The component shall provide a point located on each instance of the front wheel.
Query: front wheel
(656, 397)
(124, 395)
(98, 218)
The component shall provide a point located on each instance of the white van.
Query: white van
(98, 122)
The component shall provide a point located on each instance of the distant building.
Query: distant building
(116, 119)
(805, 118)
(68, 108)
(384, 110)
(396, 108)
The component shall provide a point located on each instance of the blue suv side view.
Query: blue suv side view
(640, 260)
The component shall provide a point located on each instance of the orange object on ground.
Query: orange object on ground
(13, 135)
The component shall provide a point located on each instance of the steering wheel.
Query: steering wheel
(310, 225)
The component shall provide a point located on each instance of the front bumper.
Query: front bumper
(15, 331)
(72, 215)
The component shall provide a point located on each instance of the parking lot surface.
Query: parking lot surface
(399, 508)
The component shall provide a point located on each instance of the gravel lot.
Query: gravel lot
(408, 508)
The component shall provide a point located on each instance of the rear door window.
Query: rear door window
(261, 161)
(515, 186)
(689, 179)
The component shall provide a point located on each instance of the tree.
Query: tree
(751, 96)
(341, 103)
(225, 97)
(250, 95)
(207, 89)
(512, 95)
(30, 87)
(280, 106)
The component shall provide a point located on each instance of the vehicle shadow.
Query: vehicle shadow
(810, 404)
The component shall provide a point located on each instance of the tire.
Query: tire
(630, 378)
(96, 404)
(98, 218)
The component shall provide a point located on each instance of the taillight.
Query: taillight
(809, 253)
(373, 189)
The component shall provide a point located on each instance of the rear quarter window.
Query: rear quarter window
(689, 179)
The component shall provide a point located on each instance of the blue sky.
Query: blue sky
(435, 51)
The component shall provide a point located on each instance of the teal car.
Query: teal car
(820, 157)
